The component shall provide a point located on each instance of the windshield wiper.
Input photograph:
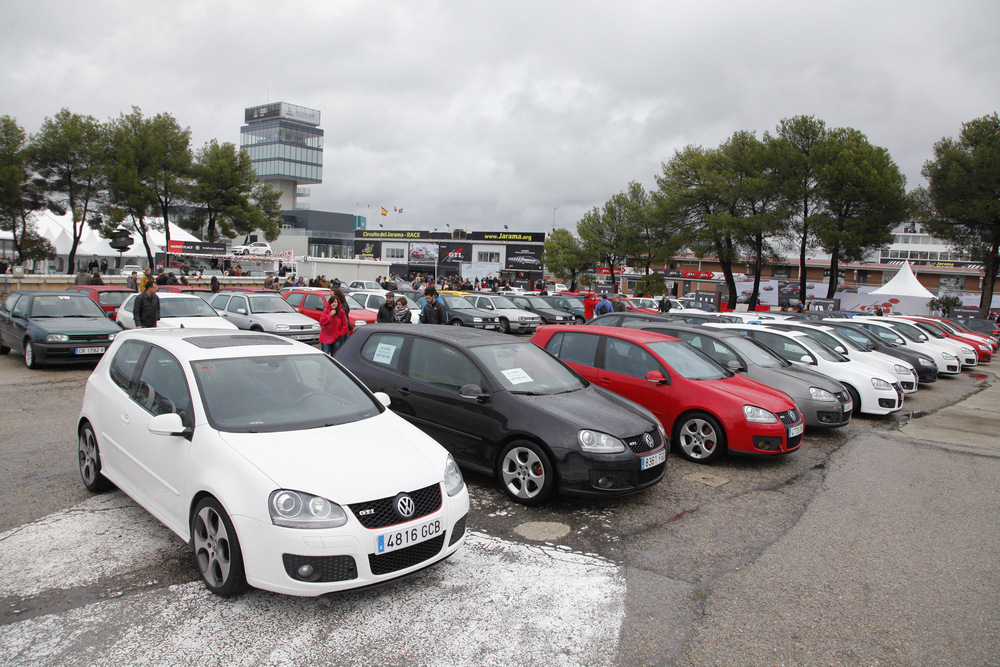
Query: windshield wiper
(529, 393)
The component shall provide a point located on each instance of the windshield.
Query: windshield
(687, 361)
(537, 302)
(644, 303)
(352, 302)
(756, 352)
(931, 329)
(267, 303)
(523, 368)
(859, 338)
(279, 393)
(910, 331)
(822, 351)
(503, 302)
(453, 301)
(188, 307)
(573, 301)
(114, 298)
(65, 305)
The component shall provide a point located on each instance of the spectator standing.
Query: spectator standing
(433, 311)
(401, 313)
(664, 304)
(386, 310)
(618, 304)
(589, 302)
(215, 284)
(603, 306)
(146, 308)
(104, 267)
(332, 326)
(269, 281)
(132, 282)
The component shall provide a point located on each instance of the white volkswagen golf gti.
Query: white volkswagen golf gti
(278, 467)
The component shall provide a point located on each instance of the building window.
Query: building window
(489, 257)
(394, 253)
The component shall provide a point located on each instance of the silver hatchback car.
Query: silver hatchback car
(265, 311)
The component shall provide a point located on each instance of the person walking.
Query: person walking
(215, 286)
(603, 306)
(332, 326)
(433, 311)
(617, 303)
(401, 313)
(132, 282)
(664, 304)
(146, 308)
(387, 309)
(589, 302)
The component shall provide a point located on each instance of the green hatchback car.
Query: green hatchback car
(50, 326)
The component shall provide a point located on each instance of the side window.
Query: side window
(443, 366)
(383, 350)
(8, 304)
(314, 302)
(236, 303)
(375, 302)
(576, 348)
(16, 304)
(628, 359)
(162, 387)
(294, 300)
(219, 302)
(122, 367)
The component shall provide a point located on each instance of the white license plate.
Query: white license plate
(490, 326)
(654, 459)
(848, 407)
(90, 350)
(399, 539)
(795, 430)
(302, 336)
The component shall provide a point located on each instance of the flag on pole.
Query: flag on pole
(384, 212)
(400, 209)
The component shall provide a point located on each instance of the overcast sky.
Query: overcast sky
(484, 114)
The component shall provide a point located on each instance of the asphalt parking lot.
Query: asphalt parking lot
(871, 544)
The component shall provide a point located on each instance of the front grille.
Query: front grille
(789, 418)
(651, 474)
(381, 513)
(325, 568)
(767, 443)
(638, 444)
(793, 443)
(88, 338)
(830, 417)
(842, 396)
(405, 557)
(458, 530)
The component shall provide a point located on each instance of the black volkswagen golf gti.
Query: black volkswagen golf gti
(505, 407)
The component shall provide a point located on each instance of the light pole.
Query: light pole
(554, 217)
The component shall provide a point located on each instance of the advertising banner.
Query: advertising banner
(454, 253)
(201, 247)
(423, 253)
(368, 249)
(524, 257)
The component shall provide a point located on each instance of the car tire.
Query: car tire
(580, 320)
(30, 360)
(257, 328)
(855, 397)
(217, 549)
(526, 473)
(456, 323)
(503, 325)
(90, 461)
(267, 253)
(4, 349)
(699, 437)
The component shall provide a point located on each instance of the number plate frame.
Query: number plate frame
(406, 537)
(653, 460)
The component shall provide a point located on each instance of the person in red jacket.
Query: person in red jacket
(332, 326)
(589, 302)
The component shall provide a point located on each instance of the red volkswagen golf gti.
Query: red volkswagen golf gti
(706, 408)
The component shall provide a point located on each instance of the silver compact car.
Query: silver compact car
(265, 311)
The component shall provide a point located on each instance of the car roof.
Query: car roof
(457, 336)
(191, 344)
(633, 335)
(176, 295)
(98, 288)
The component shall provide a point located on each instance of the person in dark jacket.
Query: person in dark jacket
(146, 308)
(665, 304)
(433, 311)
(385, 311)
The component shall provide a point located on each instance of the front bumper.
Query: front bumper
(585, 474)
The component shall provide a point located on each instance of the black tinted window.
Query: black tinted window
(123, 365)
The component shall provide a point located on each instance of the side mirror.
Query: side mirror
(241, 311)
(841, 349)
(870, 345)
(735, 366)
(383, 398)
(167, 424)
(473, 391)
(806, 359)
(656, 377)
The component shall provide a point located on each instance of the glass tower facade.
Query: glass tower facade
(285, 145)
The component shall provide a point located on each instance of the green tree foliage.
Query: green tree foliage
(69, 161)
(19, 196)
(795, 145)
(964, 189)
(863, 196)
(566, 257)
(170, 164)
(230, 197)
(610, 232)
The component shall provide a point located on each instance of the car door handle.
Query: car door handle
(124, 420)
(605, 381)
(404, 391)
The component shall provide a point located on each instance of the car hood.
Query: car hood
(594, 408)
(809, 377)
(76, 325)
(285, 318)
(753, 393)
(195, 323)
(349, 463)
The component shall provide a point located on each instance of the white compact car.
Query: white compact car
(255, 248)
(278, 466)
(177, 311)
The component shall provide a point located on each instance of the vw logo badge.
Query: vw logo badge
(648, 440)
(405, 506)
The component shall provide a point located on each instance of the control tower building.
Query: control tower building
(285, 145)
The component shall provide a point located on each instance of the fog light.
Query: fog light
(604, 483)
(306, 571)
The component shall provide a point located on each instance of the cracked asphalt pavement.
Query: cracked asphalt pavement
(870, 545)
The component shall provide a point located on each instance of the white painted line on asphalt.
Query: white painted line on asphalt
(493, 603)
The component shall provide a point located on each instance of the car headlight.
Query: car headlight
(453, 481)
(282, 327)
(477, 319)
(295, 509)
(359, 323)
(821, 394)
(948, 356)
(985, 348)
(967, 350)
(559, 318)
(602, 443)
(111, 336)
(758, 415)
(522, 318)
(901, 370)
(314, 326)
(881, 385)
(926, 362)
(57, 338)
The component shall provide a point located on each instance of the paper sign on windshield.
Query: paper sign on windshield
(383, 354)
(516, 376)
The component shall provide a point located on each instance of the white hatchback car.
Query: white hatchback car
(278, 466)
(177, 311)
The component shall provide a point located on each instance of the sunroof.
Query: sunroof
(235, 340)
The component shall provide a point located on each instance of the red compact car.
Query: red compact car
(311, 301)
(108, 297)
(707, 408)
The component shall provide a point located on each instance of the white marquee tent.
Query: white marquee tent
(903, 295)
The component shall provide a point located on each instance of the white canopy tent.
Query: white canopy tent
(902, 295)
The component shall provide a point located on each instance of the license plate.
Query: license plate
(490, 326)
(654, 459)
(848, 407)
(399, 539)
(795, 430)
(302, 336)
(90, 350)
